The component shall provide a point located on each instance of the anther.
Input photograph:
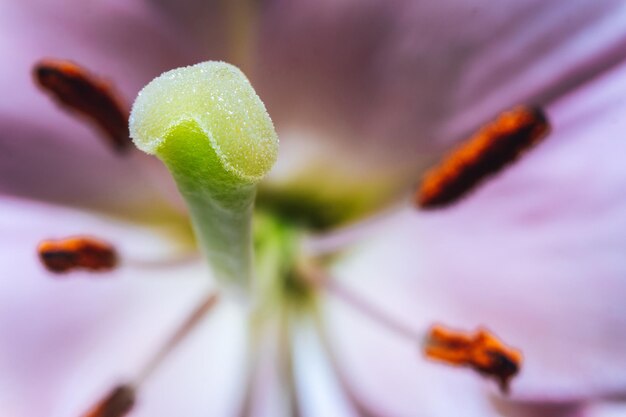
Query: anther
(492, 148)
(78, 90)
(118, 403)
(481, 351)
(77, 253)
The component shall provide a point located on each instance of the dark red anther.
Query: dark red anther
(77, 89)
(77, 253)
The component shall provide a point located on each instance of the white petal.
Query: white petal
(271, 390)
(319, 389)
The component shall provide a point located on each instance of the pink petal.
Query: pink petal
(389, 375)
(67, 340)
(50, 155)
(536, 255)
(380, 83)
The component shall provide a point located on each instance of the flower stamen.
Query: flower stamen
(183, 330)
(121, 399)
(80, 252)
(78, 90)
(118, 403)
(314, 275)
(485, 154)
(481, 351)
(241, 26)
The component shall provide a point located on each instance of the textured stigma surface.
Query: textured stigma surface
(220, 100)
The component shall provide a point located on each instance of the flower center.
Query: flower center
(207, 125)
(279, 252)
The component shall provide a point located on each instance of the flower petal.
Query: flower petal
(554, 232)
(67, 340)
(319, 389)
(203, 376)
(536, 256)
(40, 163)
(49, 155)
(378, 87)
(389, 375)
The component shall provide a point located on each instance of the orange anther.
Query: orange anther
(493, 147)
(481, 351)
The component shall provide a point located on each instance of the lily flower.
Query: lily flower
(364, 97)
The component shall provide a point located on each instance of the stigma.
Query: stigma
(481, 351)
(485, 154)
(80, 252)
